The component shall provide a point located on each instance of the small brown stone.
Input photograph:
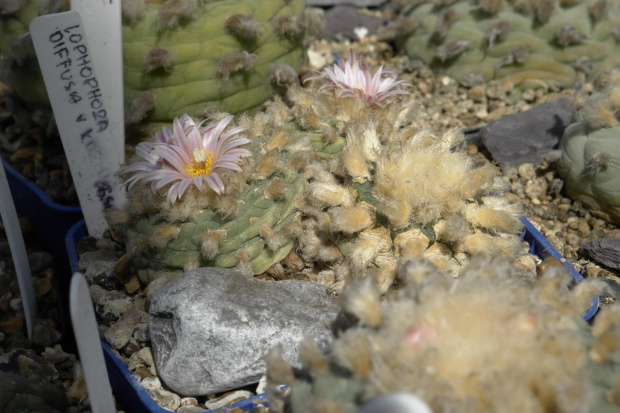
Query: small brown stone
(546, 264)
(133, 285)
(42, 286)
(25, 153)
(143, 373)
(122, 268)
(293, 261)
(12, 325)
(5, 301)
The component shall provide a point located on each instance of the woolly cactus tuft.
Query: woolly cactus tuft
(531, 44)
(344, 180)
(590, 163)
(493, 340)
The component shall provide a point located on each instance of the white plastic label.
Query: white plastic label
(89, 346)
(18, 252)
(101, 20)
(81, 112)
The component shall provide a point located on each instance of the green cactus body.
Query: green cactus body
(590, 163)
(242, 231)
(358, 199)
(497, 40)
(185, 60)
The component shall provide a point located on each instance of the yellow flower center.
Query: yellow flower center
(358, 86)
(201, 163)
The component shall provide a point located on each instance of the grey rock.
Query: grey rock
(40, 261)
(605, 251)
(211, 328)
(18, 394)
(356, 3)
(341, 20)
(527, 137)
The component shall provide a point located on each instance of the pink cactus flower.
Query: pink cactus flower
(353, 78)
(189, 153)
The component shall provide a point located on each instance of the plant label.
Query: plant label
(18, 252)
(89, 346)
(82, 113)
(101, 20)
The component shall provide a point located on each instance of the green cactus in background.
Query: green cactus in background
(590, 163)
(531, 44)
(363, 191)
(494, 340)
(182, 56)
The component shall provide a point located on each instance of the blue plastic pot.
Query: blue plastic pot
(50, 220)
(134, 398)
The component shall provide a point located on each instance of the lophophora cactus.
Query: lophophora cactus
(496, 339)
(528, 43)
(181, 56)
(360, 191)
(590, 163)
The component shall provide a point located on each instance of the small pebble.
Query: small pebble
(151, 383)
(165, 399)
(191, 409)
(141, 333)
(189, 401)
(228, 398)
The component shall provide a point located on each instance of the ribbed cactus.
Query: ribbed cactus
(590, 163)
(367, 191)
(183, 56)
(494, 340)
(529, 43)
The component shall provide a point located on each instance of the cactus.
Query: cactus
(363, 191)
(496, 339)
(590, 163)
(530, 44)
(183, 56)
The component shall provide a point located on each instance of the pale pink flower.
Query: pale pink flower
(354, 78)
(189, 153)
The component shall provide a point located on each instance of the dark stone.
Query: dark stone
(9, 361)
(341, 20)
(55, 190)
(605, 251)
(527, 137)
(40, 261)
(614, 287)
(18, 394)
(56, 161)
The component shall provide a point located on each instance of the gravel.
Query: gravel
(443, 103)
